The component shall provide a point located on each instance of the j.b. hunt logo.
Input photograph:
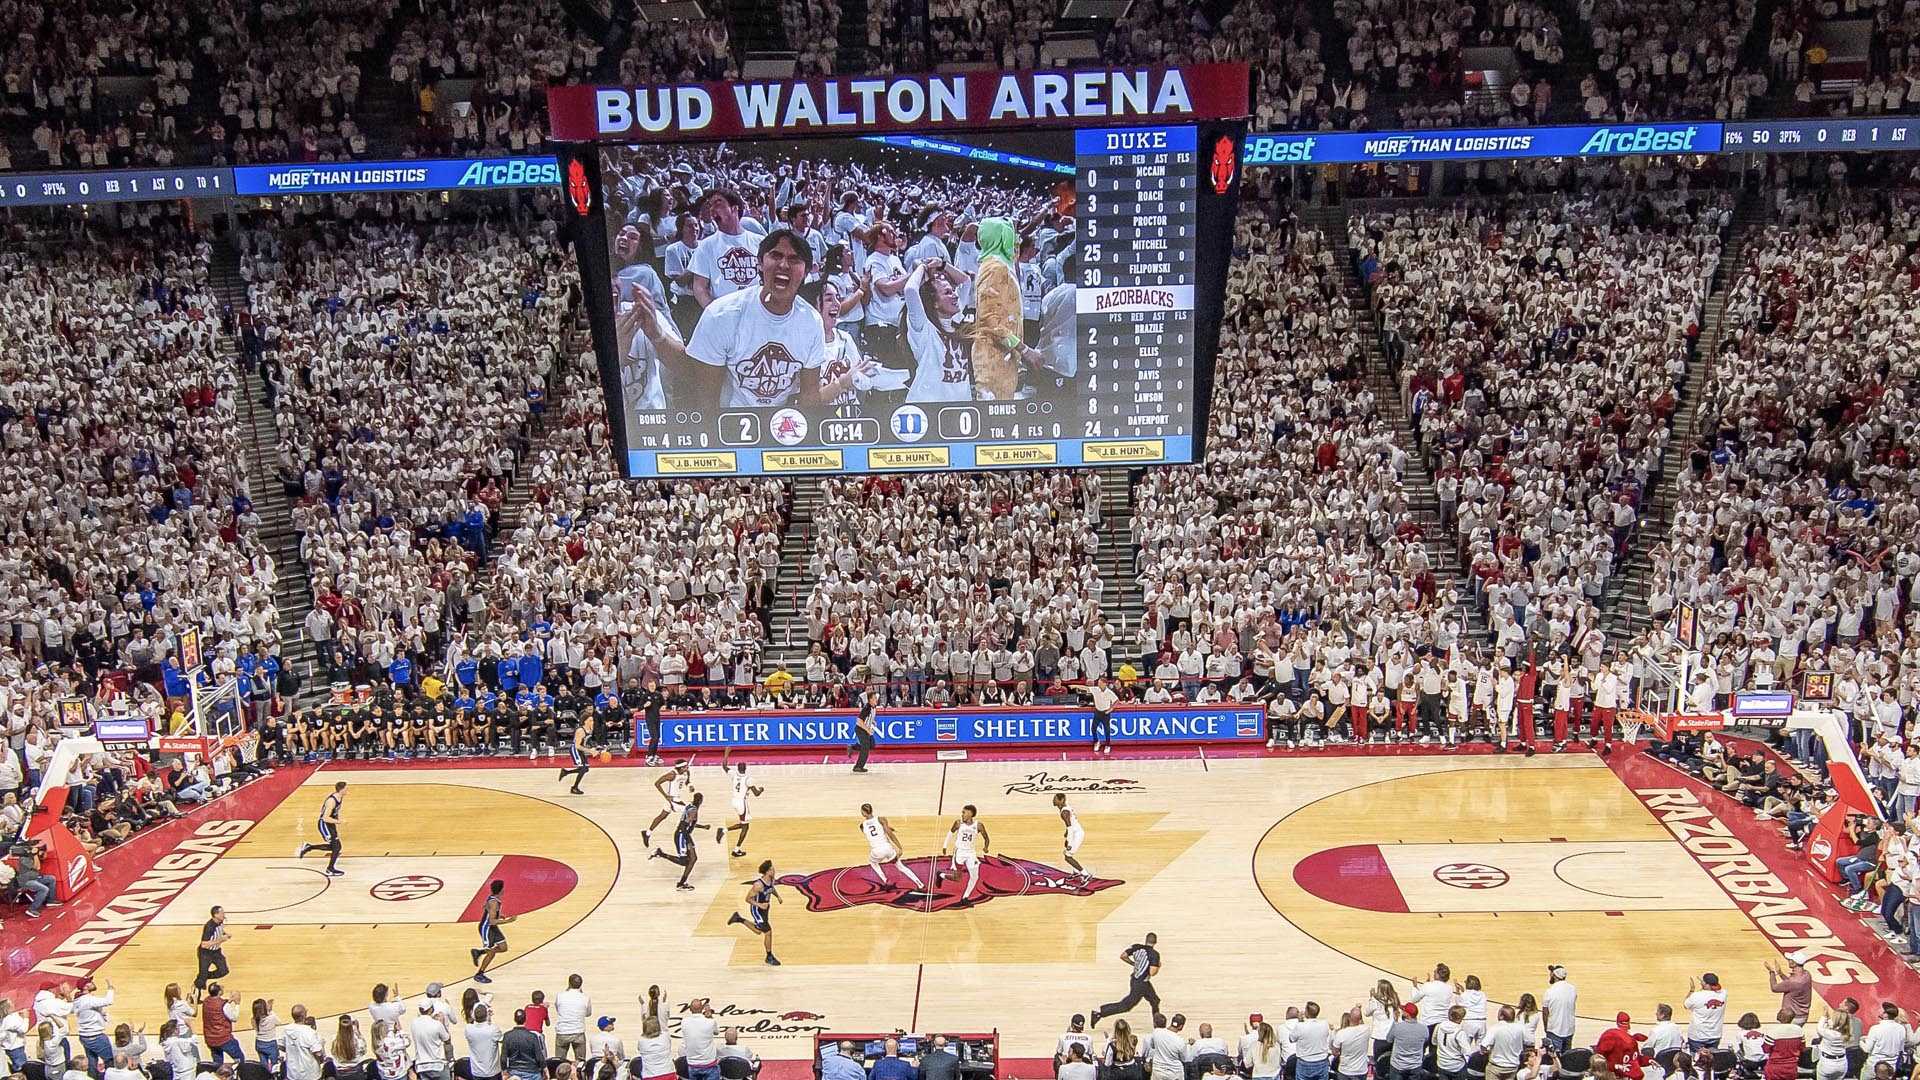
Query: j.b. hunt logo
(123, 916)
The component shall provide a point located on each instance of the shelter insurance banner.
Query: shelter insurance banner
(1036, 725)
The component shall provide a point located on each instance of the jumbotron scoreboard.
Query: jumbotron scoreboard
(968, 271)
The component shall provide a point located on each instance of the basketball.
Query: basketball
(605, 756)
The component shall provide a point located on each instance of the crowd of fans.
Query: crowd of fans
(1796, 537)
(1885, 80)
(291, 81)
(1655, 60)
(510, 53)
(1282, 46)
(93, 85)
(406, 365)
(127, 522)
(1540, 347)
(622, 583)
(127, 509)
(1439, 1024)
(1292, 550)
(978, 587)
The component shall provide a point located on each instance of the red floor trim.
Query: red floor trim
(1846, 957)
(28, 942)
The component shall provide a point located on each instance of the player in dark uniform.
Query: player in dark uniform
(487, 720)
(334, 730)
(419, 730)
(544, 729)
(329, 825)
(511, 721)
(361, 728)
(687, 852)
(581, 753)
(440, 727)
(492, 941)
(299, 734)
(760, 891)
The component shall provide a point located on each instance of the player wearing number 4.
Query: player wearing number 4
(743, 791)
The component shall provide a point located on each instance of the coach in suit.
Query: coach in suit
(940, 1063)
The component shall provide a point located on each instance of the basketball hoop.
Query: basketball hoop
(1632, 721)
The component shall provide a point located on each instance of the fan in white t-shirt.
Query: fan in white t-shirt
(1707, 1004)
(725, 262)
(760, 338)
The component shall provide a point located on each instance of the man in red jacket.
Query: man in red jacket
(1784, 1040)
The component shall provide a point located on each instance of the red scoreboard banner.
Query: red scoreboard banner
(922, 103)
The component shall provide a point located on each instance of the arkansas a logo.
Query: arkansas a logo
(853, 886)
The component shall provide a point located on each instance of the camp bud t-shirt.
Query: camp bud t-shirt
(763, 353)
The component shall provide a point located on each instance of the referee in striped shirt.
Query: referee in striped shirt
(1144, 960)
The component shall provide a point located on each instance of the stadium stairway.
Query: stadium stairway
(787, 622)
(1122, 601)
(1624, 604)
(518, 498)
(293, 589)
(386, 109)
(758, 28)
(852, 35)
(1423, 497)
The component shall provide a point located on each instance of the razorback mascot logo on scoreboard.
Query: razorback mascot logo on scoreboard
(577, 189)
(1225, 157)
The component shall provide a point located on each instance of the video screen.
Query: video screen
(855, 304)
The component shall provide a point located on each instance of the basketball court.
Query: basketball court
(1270, 880)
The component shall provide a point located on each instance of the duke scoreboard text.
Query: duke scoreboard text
(1136, 210)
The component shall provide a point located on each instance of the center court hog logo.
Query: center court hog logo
(853, 886)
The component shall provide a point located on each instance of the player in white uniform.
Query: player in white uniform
(961, 838)
(883, 847)
(743, 790)
(676, 787)
(1076, 835)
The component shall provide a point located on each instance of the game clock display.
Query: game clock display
(916, 302)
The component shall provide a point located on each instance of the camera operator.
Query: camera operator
(25, 875)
